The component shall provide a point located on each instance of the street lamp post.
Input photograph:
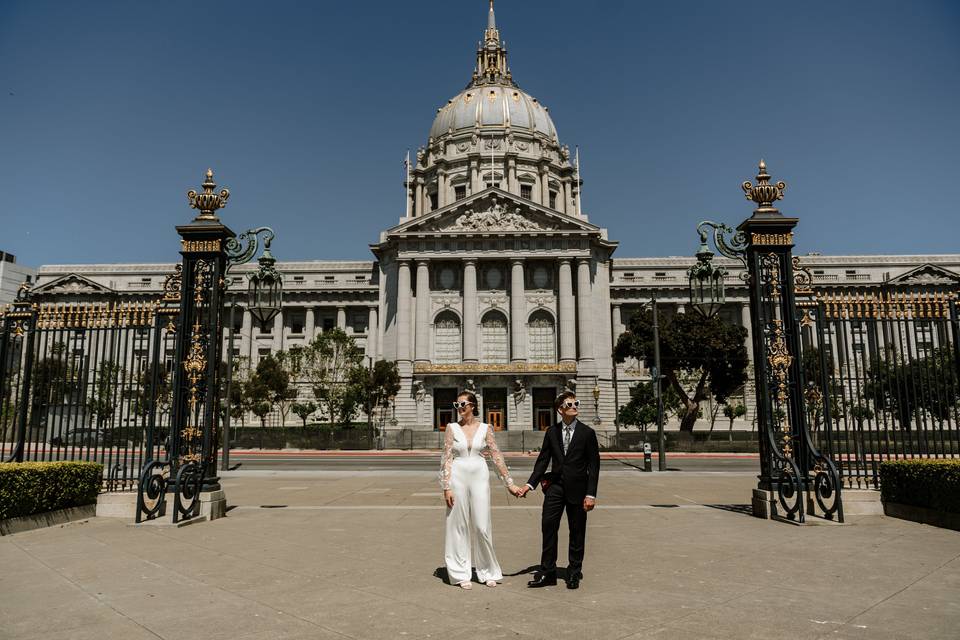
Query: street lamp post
(596, 402)
(225, 457)
(658, 382)
(264, 300)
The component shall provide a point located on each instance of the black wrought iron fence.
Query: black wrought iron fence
(881, 375)
(83, 381)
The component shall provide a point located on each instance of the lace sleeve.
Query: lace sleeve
(498, 460)
(446, 459)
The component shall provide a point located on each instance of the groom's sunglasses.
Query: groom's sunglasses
(460, 404)
(570, 405)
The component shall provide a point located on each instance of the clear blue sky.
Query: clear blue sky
(111, 110)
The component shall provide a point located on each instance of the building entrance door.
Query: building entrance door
(495, 408)
(543, 414)
(443, 411)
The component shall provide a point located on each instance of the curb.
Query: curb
(47, 519)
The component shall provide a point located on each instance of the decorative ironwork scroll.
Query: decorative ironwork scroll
(792, 466)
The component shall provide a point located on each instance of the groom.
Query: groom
(571, 486)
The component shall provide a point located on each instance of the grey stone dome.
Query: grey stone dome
(493, 105)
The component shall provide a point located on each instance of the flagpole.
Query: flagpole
(579, 182)
(406, 183)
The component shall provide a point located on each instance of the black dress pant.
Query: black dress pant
(554, 504)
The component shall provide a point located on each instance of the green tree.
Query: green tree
(303, 410)
(147, 395)
(52, 382)
(641, 410)
(860, 414)
(914, 388)
(707, 351)
(375, 386)
(266, 388)
(731, 412)
(105, 398)
(328, 365)
(292, 361)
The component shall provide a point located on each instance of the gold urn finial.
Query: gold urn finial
(763, 193)
(208, 202)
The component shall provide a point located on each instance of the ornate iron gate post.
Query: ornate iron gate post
(17, 352)
(787, 454)
(192, 452)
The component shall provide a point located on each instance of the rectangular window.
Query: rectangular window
(296, 325)
(329, 278)
(553, 199)
(460, 192)
(526, 191)
(329, 323)
(434, 202)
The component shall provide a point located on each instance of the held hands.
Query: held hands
(521, 492)
(448, 497)
(589, 504)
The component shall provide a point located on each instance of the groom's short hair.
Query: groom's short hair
(563, 398)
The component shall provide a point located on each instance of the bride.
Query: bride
(465, 481)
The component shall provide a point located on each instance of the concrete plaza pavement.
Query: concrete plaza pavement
(357, 554)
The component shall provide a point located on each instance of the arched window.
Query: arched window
(446, 338)
(494, 340)
(542, 338)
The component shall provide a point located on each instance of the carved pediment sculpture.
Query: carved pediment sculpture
(75, 285)
(497, 218)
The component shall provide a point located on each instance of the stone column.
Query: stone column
(544, 186)
(372, 326)
(342, 318)
(617, 321)
(309, 326)
(681, 308)
(568, 336)
(418, 211)
(518, 308)
(569, 209)
(475, 177)
(512, 186)
(422, 341)
(246, 333)
(584, 309)
(745, 320)
(441, 189)
(403, 310)
(277, 332)
(470, 310)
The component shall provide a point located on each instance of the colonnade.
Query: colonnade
(573, 318)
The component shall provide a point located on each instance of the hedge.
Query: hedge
(934, 484)
(27, 488)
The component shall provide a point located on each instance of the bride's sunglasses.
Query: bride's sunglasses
(570, 405)
(460, 404)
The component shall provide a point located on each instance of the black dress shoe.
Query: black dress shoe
(573, 582)
(543, 580)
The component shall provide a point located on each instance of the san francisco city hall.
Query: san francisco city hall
(494, 280)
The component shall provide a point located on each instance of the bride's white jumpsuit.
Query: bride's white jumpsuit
(469, 535)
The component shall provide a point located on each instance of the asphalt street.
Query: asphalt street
(307, 462)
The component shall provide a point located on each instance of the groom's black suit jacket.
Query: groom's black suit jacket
(578, 471)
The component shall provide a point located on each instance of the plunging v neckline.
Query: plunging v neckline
(472, 438)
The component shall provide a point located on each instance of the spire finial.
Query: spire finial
(492, 65)
(208, 201)
(763, 193)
